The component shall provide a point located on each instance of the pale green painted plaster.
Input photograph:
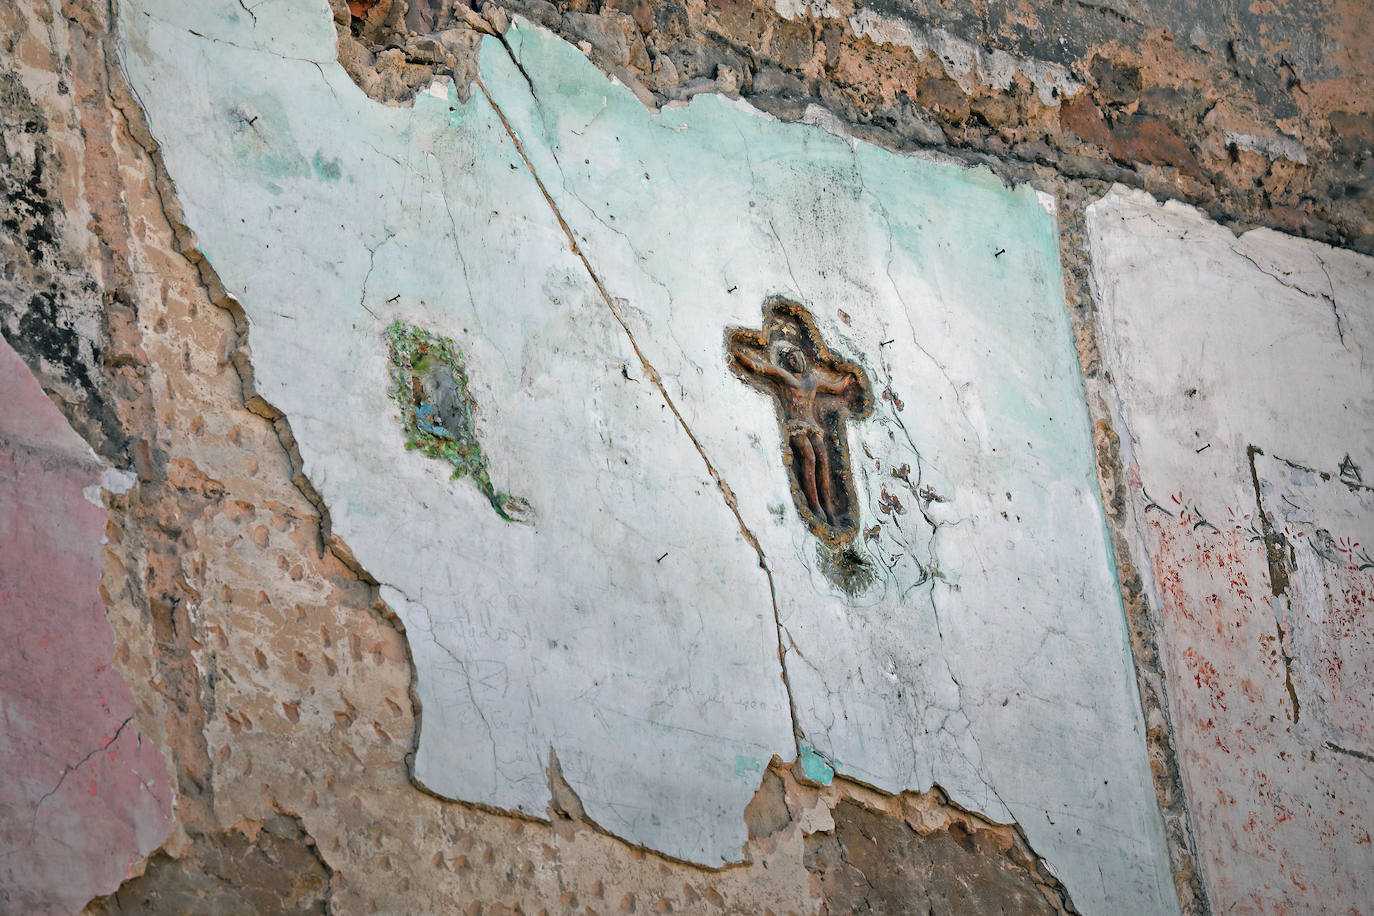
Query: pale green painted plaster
(628, 626)
(816, 767)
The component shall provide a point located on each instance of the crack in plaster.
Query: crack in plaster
(1281, 279)
(249, 10)
(467, 677)
(592, 212)
(453, 234)
(1331, 297)
(772, 227)
(652, 375)
(318, 65)
(1358, 755)
(1275, 543)
(71, 768)
(906, 310)
(372, 263)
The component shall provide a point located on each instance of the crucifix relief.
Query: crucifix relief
(816, 391)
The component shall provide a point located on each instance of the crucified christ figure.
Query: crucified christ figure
(799, 384)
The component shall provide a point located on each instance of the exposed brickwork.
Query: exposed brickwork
(261, 868)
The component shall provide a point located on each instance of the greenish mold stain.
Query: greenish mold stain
(429, 383)
(327, 169)
(261, 137)
(816, 767)
(746, 765)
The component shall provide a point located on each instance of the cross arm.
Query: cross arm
(749, 359)
(838, 383)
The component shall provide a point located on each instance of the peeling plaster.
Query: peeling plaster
(967, 63)
(1274, 147)
(601, 340)
(83, 794)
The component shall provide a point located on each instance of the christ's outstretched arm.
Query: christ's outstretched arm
(827, 387)
(765, 369)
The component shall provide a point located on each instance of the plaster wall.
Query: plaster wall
(84, 796)
(651, 472)
(1247, 413)
(267, 664)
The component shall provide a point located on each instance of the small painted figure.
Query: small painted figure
(814, 390)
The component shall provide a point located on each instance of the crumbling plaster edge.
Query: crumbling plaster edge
(1140, 594)
(125, 100)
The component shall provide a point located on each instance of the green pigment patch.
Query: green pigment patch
(328, 169)
(816, 766)
(429, 382)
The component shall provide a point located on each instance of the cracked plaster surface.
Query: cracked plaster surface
(1242, 392)
(601, 661)
(592, 321)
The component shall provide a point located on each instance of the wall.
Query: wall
(620, 652)
(1247, 406)
(654, 679)
(86, 796)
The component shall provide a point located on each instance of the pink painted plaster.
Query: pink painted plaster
(83, 794)
(1264, 689)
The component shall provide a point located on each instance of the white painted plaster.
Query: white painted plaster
(1217, 344)
(1330, 521)
(1275, 147)
(656, 683)
(628, 626)
(966, 63)
(903, 686)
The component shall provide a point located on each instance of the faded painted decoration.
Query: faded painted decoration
(1240, 365)
(429, 384)
(665, 621)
